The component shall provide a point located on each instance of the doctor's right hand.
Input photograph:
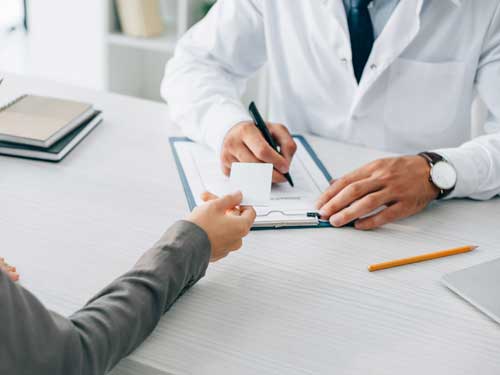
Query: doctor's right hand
(244, 143)
(224, 222)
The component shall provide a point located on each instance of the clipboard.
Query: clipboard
(275, 218)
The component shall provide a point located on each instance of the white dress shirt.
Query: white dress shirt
(415, 95)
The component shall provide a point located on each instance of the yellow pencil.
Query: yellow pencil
(420, 258)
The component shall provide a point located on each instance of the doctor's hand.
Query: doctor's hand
(244, 143)
(401, 184)
(224, 221)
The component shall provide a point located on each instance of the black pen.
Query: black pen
(261, 125)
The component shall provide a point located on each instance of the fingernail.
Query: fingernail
(322, 213)
(335, 221)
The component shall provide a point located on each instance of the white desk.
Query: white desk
(291, 302)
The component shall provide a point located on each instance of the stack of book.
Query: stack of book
(44, 128)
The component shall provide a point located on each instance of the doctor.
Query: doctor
(397, 75)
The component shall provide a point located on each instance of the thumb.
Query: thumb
(229, 201)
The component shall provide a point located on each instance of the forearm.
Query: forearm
(112, 324)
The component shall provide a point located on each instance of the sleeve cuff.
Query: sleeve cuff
(468, 170)
(220, 119)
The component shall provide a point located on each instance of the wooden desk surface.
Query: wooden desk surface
(291, 302)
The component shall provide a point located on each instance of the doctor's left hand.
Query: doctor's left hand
(402, 184)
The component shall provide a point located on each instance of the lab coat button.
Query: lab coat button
(373, 67)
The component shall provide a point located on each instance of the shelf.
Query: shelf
(165, 43)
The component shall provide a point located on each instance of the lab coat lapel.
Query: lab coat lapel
(343, 39)
(400, 31)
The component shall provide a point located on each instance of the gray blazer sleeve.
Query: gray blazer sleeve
(34, 340)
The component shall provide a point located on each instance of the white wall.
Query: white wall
(67, 41)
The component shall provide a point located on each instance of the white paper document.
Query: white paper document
(288, 206)
(254, 180)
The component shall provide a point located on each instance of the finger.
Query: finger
(14, 276)
(208, 196)
(339, 184)
(227, 161)
(263, 152)
(284, 139)
(348, 195)
(228, 201)
(390, 214)
(278, 178)
(249, 215)
(234, 211)
(245, 155)
(360, 208)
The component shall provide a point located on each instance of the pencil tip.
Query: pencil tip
(474, 247)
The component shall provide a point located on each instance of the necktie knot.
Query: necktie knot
(360, 4)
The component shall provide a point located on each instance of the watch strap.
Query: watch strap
(431, 157)
(434, 158)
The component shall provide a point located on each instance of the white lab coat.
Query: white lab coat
(416, 93)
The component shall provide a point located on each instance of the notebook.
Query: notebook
(290, 207)
(479, 286)
(58, 150)
(40, 121)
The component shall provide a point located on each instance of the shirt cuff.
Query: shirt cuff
(221, 118)
(468, 168)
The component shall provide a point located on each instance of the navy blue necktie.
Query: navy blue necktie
(362, 36)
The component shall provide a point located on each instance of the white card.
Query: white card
(254, 180)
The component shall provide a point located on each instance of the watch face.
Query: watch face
(444, 175)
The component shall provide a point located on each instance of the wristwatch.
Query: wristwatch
(443, 175)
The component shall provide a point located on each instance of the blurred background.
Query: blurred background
(116, 45)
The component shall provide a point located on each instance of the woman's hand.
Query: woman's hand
(11, 271)
(224, 221)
